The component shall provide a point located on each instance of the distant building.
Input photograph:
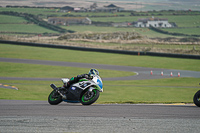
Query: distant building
(69, 20)
(66, 9)
(92, 8)
(109, 8)
(114, 8)
(80, 9)
(121, 24)
(154, 22)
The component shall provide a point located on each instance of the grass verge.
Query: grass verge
(147, 91)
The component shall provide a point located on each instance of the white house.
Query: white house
(154, 22)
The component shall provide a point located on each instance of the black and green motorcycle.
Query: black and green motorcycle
(85, 92)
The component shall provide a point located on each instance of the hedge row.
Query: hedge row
(28, 33)
(172, 33)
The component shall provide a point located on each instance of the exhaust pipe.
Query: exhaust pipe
(53, 86)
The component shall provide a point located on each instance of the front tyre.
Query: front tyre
(196, 98)
(54, 98)
(89, 97)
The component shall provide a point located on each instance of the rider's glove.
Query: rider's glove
(87, 76)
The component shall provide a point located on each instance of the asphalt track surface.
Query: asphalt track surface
(38, 116)
(142, 72)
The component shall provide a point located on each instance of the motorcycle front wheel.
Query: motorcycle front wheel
(89, 97)
(54, 98)
(196, 98)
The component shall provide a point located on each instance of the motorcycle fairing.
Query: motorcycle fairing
(74, 93)
(72, 101)
(99, 84)
(76, 89)
(83, 85)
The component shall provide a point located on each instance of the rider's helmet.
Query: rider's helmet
(93, 72)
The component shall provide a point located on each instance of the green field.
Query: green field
(11, 19)
(185, 21)
(27, 28)
(190, 31)
(189, 20)
(18, 24)
(35, 11)
(170, 90)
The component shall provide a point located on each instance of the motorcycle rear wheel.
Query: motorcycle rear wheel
(54, 98)
(196, 98)
(89, 98)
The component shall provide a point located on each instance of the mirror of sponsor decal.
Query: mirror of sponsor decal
(73, 88)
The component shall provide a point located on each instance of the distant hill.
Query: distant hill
(141, 5)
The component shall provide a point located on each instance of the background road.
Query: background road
(39, 116)
(143, 73)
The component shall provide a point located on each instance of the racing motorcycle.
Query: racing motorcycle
(86, 91)
(196, 98)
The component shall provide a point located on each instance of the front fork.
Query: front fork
(53, 86)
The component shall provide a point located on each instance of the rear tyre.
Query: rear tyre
(54, 98)
(196, 98)
(89, 97)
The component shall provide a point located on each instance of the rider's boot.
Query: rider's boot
(62, 93)
(65, 87)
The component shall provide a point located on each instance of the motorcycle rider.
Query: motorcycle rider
(75, 80)
(78, 77)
